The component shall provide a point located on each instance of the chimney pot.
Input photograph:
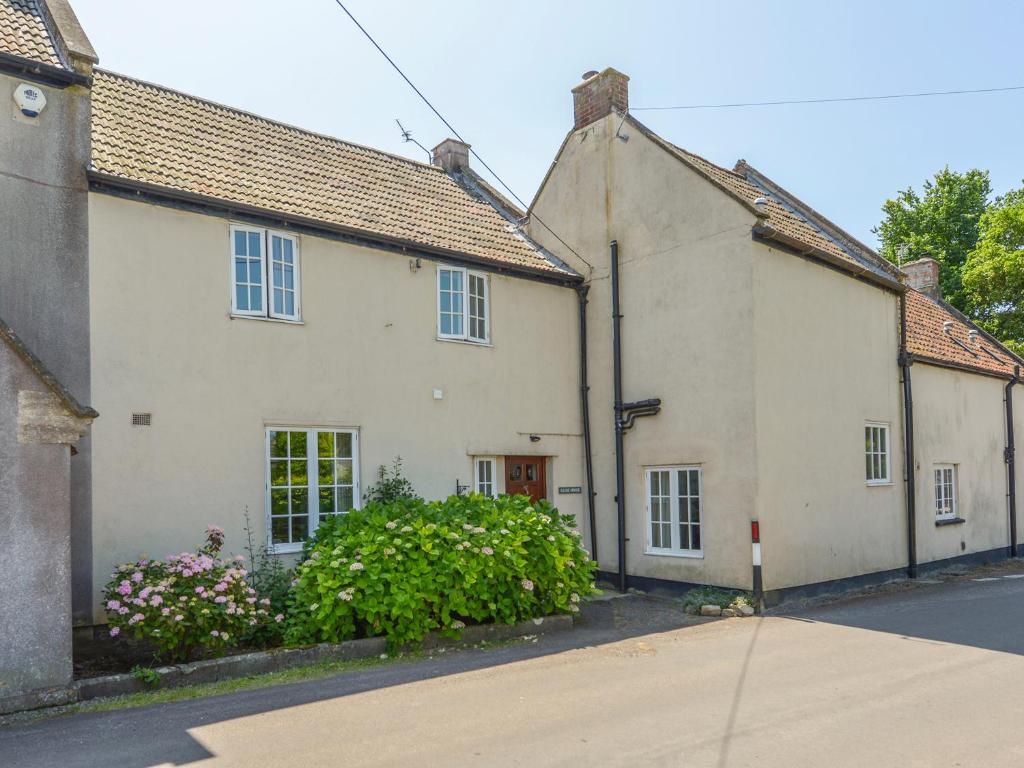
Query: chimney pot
(598, 96)
(451, 154)
(923, 275)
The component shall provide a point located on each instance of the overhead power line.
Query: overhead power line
(832, 100)
(454, 132)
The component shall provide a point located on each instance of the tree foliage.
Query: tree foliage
(993, 275)
(941, 222)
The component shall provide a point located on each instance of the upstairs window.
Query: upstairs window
(876, 453)
(265, 274)
(462, 305)
(945, 492)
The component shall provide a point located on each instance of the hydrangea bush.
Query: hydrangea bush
(185, 602)
(410, 567)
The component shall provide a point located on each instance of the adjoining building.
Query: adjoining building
(265, 315)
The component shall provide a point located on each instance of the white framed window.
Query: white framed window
(311, 473)
(463, 305)
(945, 492)
(674, 511)
(264, 273)
(485, 474)
(877, 465)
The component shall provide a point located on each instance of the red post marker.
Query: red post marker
(755, 545)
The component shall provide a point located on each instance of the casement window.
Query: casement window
(264, 274)
(945, 492)
(462, 305)
(311, 473)
(876, 453)
(485, 474)
(674, 509)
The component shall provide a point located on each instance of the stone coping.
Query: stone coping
(261, 662)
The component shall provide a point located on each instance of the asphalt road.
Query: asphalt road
(929, 677)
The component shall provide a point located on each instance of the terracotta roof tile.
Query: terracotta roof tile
(152, 135)
(926, 338)
(24, 32)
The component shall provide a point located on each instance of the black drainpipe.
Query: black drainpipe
(581, 292)
(1011, 479)
(620, 490)
(905, 361)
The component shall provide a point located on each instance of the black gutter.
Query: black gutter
(1011, 479)
(905, 361)
(581, 292)
(37, 72)
(210, 206)
(620, 490)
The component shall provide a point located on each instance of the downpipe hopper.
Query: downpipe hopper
(630, 412)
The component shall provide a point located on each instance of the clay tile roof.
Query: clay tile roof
(156, 137)
(25, 32)
(927, 339)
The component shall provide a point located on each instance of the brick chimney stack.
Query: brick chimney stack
(598, 95)
(451, 154)
(923, 275)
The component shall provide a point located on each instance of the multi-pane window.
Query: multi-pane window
(876, 453)
(484, 477)
(462, 304)
(311, 473)
(674, 508)
(945, 492)
(265, 274)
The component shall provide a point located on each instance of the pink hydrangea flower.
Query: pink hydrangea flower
(179, 617)
(123, 610)
(124, 588)
(279, 618)
(220, 599)
(165, 611)
(250, 600)
(157, 600)
(528, 585)
(113, 605)
(220, 586)
(487, 550)
(356, 567)
(115, 631)
(215, 633)
(137, 577)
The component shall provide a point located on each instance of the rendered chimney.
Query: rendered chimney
(598, 95)
(923, 275)
(451, 154)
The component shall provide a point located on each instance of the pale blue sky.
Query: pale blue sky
(501, 74)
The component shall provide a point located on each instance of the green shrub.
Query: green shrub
(390, 486)
(272, 582)
(411, 567)
(185, 602)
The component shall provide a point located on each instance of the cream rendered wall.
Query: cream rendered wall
(365, 356)
(826, 350)
(686, 297)
(959, 419)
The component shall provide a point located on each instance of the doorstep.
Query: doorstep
(260, 662)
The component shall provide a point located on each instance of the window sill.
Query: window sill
(465, 341)
(950, 521)
(879, 483)
(264, 319)
(284, 549)
(689, 555)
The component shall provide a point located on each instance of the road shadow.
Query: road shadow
(158, 734)
(982, 612)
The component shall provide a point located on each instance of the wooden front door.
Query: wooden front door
(525, 475)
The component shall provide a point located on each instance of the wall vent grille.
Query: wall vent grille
(142, 419)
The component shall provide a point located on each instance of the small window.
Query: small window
(945, 492)
(462, 305)
(674, 511)
(485, 477)
(265, 274)
(311, 473)
(876, 453)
